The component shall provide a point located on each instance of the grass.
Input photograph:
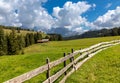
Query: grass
(35, 56)
(23, 32)
(104, 67)
(7, 31)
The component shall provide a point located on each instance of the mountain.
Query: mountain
(97, 33)
(63, 31)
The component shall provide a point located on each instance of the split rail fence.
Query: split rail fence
(75, 63)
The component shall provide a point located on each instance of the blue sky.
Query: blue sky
(101, 7)
(57, 16)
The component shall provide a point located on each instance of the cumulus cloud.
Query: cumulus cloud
(24, 13)
(31, 14)
(70, 14)
(7, 16)
(109, 19)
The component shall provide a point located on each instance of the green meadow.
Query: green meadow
(104, 67)
(35, 56)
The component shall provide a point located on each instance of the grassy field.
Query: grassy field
(23, 32)
(35, 56)
(104, 67)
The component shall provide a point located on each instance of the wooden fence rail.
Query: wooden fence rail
(84, 54)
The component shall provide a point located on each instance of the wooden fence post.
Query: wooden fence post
(80, 52)
(72, 53)
(48, 71)
(72, 59)
(72, 50)
(65, 64)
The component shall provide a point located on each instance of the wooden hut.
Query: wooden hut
(43, 41)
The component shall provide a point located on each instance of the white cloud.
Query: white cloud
(7, 17)
(70, 15)
(94, 5)
(79, 30)
(31, 14)
(108, 5)
(109, 19)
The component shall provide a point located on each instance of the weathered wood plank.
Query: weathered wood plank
(61, 60)
(91, 51)
(28, 75)
(58, 74)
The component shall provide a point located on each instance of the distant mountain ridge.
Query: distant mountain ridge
(97, 33)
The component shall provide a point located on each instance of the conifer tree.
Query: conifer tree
(27, 40)
(3, 45)
(31, 38)
(13, 47)
(60, 38)
(37, 36)
(21, 42)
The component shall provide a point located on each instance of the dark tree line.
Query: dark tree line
(12, 44)
(97, 33)
(3, 43)
(55, 37)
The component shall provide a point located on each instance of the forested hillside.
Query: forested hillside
(97, 33)
(12, 43)
(14, 39)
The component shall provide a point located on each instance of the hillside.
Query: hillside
(14, 39)
(36, 55)
(102, 68)
(97, 33)
(19, 30)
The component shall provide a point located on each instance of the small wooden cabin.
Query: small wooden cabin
(43, 41)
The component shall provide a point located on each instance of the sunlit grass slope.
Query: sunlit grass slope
(22, 32)
(102, 68)
(35, 56)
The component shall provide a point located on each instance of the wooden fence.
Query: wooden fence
(74, 64)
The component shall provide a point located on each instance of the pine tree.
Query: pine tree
(31, 38)
(3, 45)
(27, 40)
(21, 42)
(37, 36)
(60, 38)
(13, 47)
